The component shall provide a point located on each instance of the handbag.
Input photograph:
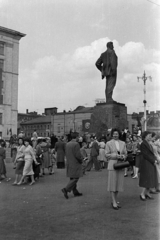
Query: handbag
(131, 159)
(121, 165)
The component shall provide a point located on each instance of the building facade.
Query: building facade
(9, 59)
(42, 125)
(79, 121)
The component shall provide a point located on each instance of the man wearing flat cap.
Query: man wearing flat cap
(107, 64)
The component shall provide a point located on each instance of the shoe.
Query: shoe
(142, 198)
(125, 175)
(43, 173)
(149, 197)
(15, 183)
(118, 205)
(20, 183)
(115, 208)
(158, 191)
(132, 174)
(78, 194)
(134, 177)
(65, 193)
(153, 192)
(50, 173)
(32, 183)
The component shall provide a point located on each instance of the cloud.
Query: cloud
(74, 80)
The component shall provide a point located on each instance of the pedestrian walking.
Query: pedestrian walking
(74, 166)
(29, 157)
(93, 156)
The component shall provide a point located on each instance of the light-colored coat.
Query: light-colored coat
(112, 154)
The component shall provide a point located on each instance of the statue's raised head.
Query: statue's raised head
(110, 45)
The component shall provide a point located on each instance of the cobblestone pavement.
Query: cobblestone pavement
(41, 211)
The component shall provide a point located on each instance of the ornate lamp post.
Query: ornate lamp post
(144, 78)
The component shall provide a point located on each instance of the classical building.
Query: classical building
(24, 117)
(80, 121)
(9, 58)
(42, 125)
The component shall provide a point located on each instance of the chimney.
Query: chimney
(27, 111)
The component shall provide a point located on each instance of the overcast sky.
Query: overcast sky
(63, 40)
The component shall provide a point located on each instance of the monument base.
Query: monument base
(112, 114)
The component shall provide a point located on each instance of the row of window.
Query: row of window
(39, 134)
(36, 127)
(1, 48)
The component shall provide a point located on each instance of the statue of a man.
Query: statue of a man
(107, 64)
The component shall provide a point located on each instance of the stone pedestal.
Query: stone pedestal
(110, 115)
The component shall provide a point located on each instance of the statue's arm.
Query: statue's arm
(99, 63)
(114, 63)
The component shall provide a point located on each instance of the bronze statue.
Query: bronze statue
(107, 64)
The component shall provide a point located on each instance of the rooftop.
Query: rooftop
(13, 32)
(45, 119)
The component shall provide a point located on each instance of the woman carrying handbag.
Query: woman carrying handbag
(115, 151)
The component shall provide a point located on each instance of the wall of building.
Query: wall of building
(9, 105)
(63, 123)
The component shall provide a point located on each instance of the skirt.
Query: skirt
(19, 167)
(28, 170)
(2, 167)
(158, 172)
(115, 180)
(60, 165)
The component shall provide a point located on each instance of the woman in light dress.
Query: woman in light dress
(29, 157)
(101, 157)
(19, 160)
(115, 151)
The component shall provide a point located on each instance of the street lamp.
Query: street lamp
(144, 78)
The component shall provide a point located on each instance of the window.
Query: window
(59, 129)
(48, 126)
(1, 82)
(1, 48)
(0, 118)
(1, 64)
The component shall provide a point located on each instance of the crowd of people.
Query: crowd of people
(33, 156)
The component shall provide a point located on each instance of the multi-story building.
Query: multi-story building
(79, 120)
(9, 58)
(24, 117)
(42, 125)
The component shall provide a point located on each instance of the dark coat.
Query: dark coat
(60, 149)
(94, 149)
(74, 160)
(107, 63)
(148, 174)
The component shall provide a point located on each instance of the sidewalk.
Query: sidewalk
(41, 211)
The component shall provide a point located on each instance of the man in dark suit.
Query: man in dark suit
(93, 157)
(107, 64)
(74, 166)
